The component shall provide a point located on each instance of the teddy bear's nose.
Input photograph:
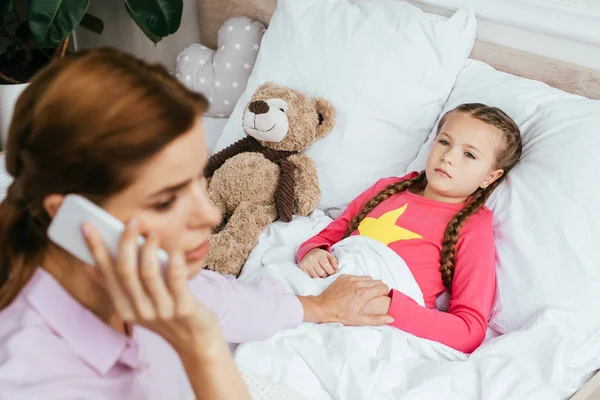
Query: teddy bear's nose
(259, 107)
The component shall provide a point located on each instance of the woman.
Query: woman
(129, 137)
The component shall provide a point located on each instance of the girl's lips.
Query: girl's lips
(442, 172)
(197, 253)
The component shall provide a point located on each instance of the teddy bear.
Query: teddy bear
(265, 176)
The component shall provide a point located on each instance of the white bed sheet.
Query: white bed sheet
(545, 361)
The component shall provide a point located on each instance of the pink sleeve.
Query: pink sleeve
(247, 311)
(464, 326)
(334, 232)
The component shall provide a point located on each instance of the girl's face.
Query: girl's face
(462, 158)
(169, 198)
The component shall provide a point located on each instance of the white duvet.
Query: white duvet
(330, 361)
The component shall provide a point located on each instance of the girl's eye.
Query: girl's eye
(443, 142)
(470, 155)
(165, 205)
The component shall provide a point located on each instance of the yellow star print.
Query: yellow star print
(385, 229)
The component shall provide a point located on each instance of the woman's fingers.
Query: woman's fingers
(104, 263)
(127, 270)
(177, 273)
(366, 292)
(152, 279)
(347, 297)
(373, 320)
(376, 289)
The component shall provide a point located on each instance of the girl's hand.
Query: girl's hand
(379, 305)
(319, 263)
(140, 294)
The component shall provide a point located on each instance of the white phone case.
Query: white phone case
(65, 229)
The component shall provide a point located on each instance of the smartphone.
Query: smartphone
(65, 230)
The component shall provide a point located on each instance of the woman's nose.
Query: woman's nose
(205, 214)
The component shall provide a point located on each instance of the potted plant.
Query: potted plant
(40, 32)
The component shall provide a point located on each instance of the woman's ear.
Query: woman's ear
(52, 203)
(491, 178)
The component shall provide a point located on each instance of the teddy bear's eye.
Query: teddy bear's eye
(282, 110)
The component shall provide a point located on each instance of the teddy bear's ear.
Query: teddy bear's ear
(268, 85)
(265, 88)
(326, 113)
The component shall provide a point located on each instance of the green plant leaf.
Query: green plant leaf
(22, 32)
(6, 7)
(92, 24)
(11, 51)
(144, 28)
(51, 21)
(156, 18)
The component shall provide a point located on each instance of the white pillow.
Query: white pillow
(547, 214)
(386, 66)
(5, 178)
(213, 128)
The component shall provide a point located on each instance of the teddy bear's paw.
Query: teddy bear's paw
(226, 255)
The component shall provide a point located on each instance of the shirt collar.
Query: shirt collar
(100, 346)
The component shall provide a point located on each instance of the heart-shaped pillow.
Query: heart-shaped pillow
(221, 75)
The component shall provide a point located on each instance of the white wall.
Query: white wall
(567, 30)
(121, 32)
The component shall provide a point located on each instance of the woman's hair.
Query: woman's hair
(508, 155)
(83, 125)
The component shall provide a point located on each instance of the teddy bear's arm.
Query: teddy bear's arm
(306, 184)
(217, 160)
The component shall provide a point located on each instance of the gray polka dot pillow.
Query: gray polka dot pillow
(221, 75)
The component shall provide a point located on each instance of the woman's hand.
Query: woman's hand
(140, 294)
(379, 305)
(345, 300)
(319, 263)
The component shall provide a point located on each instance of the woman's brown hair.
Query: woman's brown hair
(507, 157)
(82, 126)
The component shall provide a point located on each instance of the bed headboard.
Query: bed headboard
(568, 77)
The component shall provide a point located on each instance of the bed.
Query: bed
(541, 344)
(535, 90)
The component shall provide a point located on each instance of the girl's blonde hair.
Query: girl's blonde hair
(83, 126)
(507, 157)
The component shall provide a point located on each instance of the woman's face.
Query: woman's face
(169, 198)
